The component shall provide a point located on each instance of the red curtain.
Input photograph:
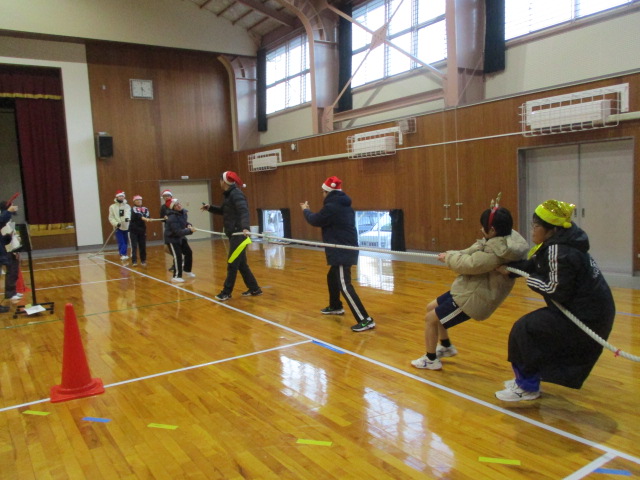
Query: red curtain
(42, 141)
(45, 165)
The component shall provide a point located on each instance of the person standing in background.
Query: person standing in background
(138, 231)
(119, 217)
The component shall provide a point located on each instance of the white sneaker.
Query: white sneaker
(19, 295)
(177, 280)
(189, 274)
(510, 383)
(16, 297)
(513, 393)
(124, 257)
(424, 362)
(446, 351)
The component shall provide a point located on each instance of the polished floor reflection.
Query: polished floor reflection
(267, 387)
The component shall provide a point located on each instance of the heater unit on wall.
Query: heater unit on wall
(267, 160)
(374, 144)
(586, 110)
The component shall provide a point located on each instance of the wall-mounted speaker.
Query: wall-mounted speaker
(104, 145)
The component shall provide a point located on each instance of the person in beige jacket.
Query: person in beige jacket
(478, 290)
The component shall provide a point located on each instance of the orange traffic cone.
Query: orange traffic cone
(76, 378)
(20, 286)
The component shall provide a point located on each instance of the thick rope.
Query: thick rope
(331, 245)
(100, 252)
(582, 326)
(616, 351)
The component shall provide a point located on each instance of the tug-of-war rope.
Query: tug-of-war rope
(616, 351)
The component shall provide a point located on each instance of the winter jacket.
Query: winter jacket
(546, 341)
(120, 213)
(176, 226)
(5, 217)
(234, 211)
(338, 222)
(138, 225)
(480, 289)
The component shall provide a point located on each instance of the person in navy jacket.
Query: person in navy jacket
(338, 222)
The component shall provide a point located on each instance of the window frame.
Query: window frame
(300, 41)
(574, 23)
(414, 30)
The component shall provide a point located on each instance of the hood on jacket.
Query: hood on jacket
(338, 196)
(511, 247)
(574, 237)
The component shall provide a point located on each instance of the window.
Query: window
(374, 229)
(415, 26)
(288, 75)
(527, 16)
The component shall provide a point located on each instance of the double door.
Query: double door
(598, 179)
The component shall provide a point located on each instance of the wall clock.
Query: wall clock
(141, 88)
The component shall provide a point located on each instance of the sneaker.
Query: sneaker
(3, 309)
(446, 351)
(513, 393)
(16, 297)
(134, 264)
(189, 274)
(223, 297)
(332, 311)
(424, 362)
(177, 280)
(124, 257)
(365, 324)
(510, 383)
(252, 293)
(19, 295)
(144, 264)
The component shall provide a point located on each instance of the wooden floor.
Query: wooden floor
(268, 388)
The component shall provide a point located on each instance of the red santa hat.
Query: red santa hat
(137, 197)
(120, 193)
(331, 184)
(166, 192)
(230, 178)
(171, 203)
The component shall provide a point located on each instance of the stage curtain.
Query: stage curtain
(44, 161)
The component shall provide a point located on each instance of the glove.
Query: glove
(127, 220)
(118, 226)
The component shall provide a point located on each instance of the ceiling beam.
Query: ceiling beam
(260, 7)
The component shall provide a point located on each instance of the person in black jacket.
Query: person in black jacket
(235, 216)
(176, 228)
(338, 222)
(9, 259)
(138, 231)
(545, 345)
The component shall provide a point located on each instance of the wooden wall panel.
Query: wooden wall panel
(423, 179)
(184, 131)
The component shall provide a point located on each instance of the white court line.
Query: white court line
(588, 469)
(84, 283)
(491, 406)
(168, 372)
(557, 431)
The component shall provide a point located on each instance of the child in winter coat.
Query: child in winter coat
(138, 231)
(119, 217)
(478, 290)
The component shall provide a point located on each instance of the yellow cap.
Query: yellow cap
(556, 213)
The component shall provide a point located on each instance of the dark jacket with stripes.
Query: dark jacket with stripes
(338, 222)
(546, 340)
